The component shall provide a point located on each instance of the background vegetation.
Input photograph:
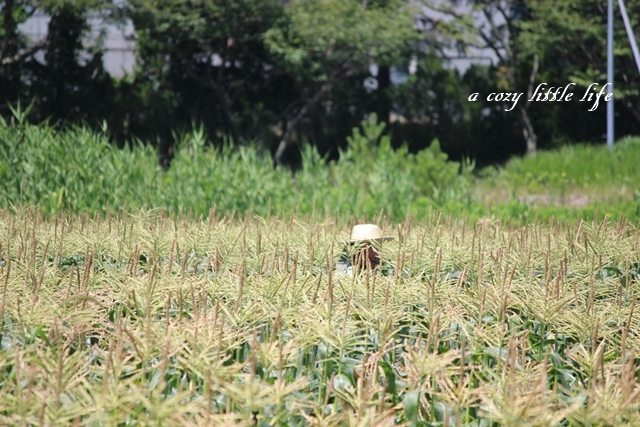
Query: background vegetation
(282, 74)
(79, 170)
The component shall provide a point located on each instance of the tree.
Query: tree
(14, 47)
(206, 61)
(570, 36)
(62, 86)
(546, 41)
(494, 25)
(325, 42)
(255, 69)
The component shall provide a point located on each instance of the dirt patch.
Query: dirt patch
(571, 200)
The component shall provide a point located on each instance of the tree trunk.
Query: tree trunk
(523, 111)
(528, 131)
(9, 35)
(383, 109)
(284, 142)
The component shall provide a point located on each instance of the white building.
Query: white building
(119, 57)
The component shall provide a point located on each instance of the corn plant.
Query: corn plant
(150, 318)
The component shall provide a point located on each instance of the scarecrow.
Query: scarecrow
(362, 251)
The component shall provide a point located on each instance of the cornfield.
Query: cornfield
(152, 319)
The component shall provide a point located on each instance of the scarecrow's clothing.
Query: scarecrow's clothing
(345, 266)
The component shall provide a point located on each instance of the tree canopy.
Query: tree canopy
(280, 74)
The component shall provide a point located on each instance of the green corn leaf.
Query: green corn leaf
(411, 403)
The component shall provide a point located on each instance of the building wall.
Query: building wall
(119, 56)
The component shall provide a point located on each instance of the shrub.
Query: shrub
(80, 170)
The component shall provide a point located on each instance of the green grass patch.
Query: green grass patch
(590, 170)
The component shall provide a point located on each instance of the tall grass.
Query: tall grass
(578, 167)
(74, 169)
(150, 319)
(80, 170)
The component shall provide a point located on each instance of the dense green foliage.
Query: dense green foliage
(284, 74)
(159, 320)
(81, 170)
(585, 167)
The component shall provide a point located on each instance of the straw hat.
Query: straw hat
(362, 233)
